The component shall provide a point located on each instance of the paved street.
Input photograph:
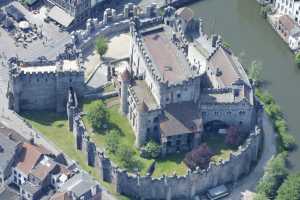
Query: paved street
(53, 39)
(11, 120)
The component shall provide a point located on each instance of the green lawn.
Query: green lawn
(55, 128)
(220, 149)
(116, 120)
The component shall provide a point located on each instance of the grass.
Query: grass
(116, 120)
(109, 88)
(54, 127)
(220, 149)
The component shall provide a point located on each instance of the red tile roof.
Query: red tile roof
(29, 157)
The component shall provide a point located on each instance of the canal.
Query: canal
(252, 38)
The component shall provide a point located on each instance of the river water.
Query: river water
(252, 38)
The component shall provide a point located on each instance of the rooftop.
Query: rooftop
(180, 118)
(66, 65)
(79, 184)
(29, 157)
(43, 168)
(227, 64)
(143, 93)
(7, 150)
(169, 60)
(30, 187)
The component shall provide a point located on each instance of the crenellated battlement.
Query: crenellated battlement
(135, 185)
(112, 22)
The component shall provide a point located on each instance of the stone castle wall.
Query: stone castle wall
(170, 187)
(183, 187)
(112, 23)
(43, 90)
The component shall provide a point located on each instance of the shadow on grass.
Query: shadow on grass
(176, 158)
(46, 118)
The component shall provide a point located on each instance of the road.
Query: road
(249, 182)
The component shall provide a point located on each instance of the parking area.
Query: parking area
(42, 38)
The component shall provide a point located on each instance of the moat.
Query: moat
(240, 24)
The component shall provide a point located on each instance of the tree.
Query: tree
(297, 58)
(126, 156)
(101, 45)
(290, 189)
(112, 141)
(275, 173)
(97, 115)
(255, 71)
(288, 141)
(232, 136)
(151, 150)
(198, 157)
(260, 197)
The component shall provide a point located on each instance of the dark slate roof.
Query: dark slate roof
(186, 13)
(7, 150)
(79, 184)
(180, 118)
(14, 13)
(9, 194)
(31, 188)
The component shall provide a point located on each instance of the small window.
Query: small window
(178, 95)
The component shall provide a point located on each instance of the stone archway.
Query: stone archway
(215, 126)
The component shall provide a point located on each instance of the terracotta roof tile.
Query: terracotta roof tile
(29, 157)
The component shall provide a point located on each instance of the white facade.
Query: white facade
(290, 8)
(294, 42)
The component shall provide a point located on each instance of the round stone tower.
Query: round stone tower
(141, 134)
(125, 81)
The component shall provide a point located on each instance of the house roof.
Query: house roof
(169, 61)
(287, 22)
(30, 187)
(185, 13)
(61, 196)
(29, 157)
(180, 118)
(43, 168)
(79, 184)
(7, 151)
(60, 16)
(226, 67)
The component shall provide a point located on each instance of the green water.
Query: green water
(250, 36)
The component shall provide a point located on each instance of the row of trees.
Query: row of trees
(287, 141)
(276, 183)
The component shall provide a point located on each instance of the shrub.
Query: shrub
(275, 173)
(297, 58)
(101, 45)
(97, 115)
(232, 136)
(198, 157)
(280, 125)
(288, 141)
(151, 150)
(290, 189)
(126, 156)
(112, 141)
(260, 197)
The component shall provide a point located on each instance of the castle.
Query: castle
(173, 90)
(178, 84)
(43, 84)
